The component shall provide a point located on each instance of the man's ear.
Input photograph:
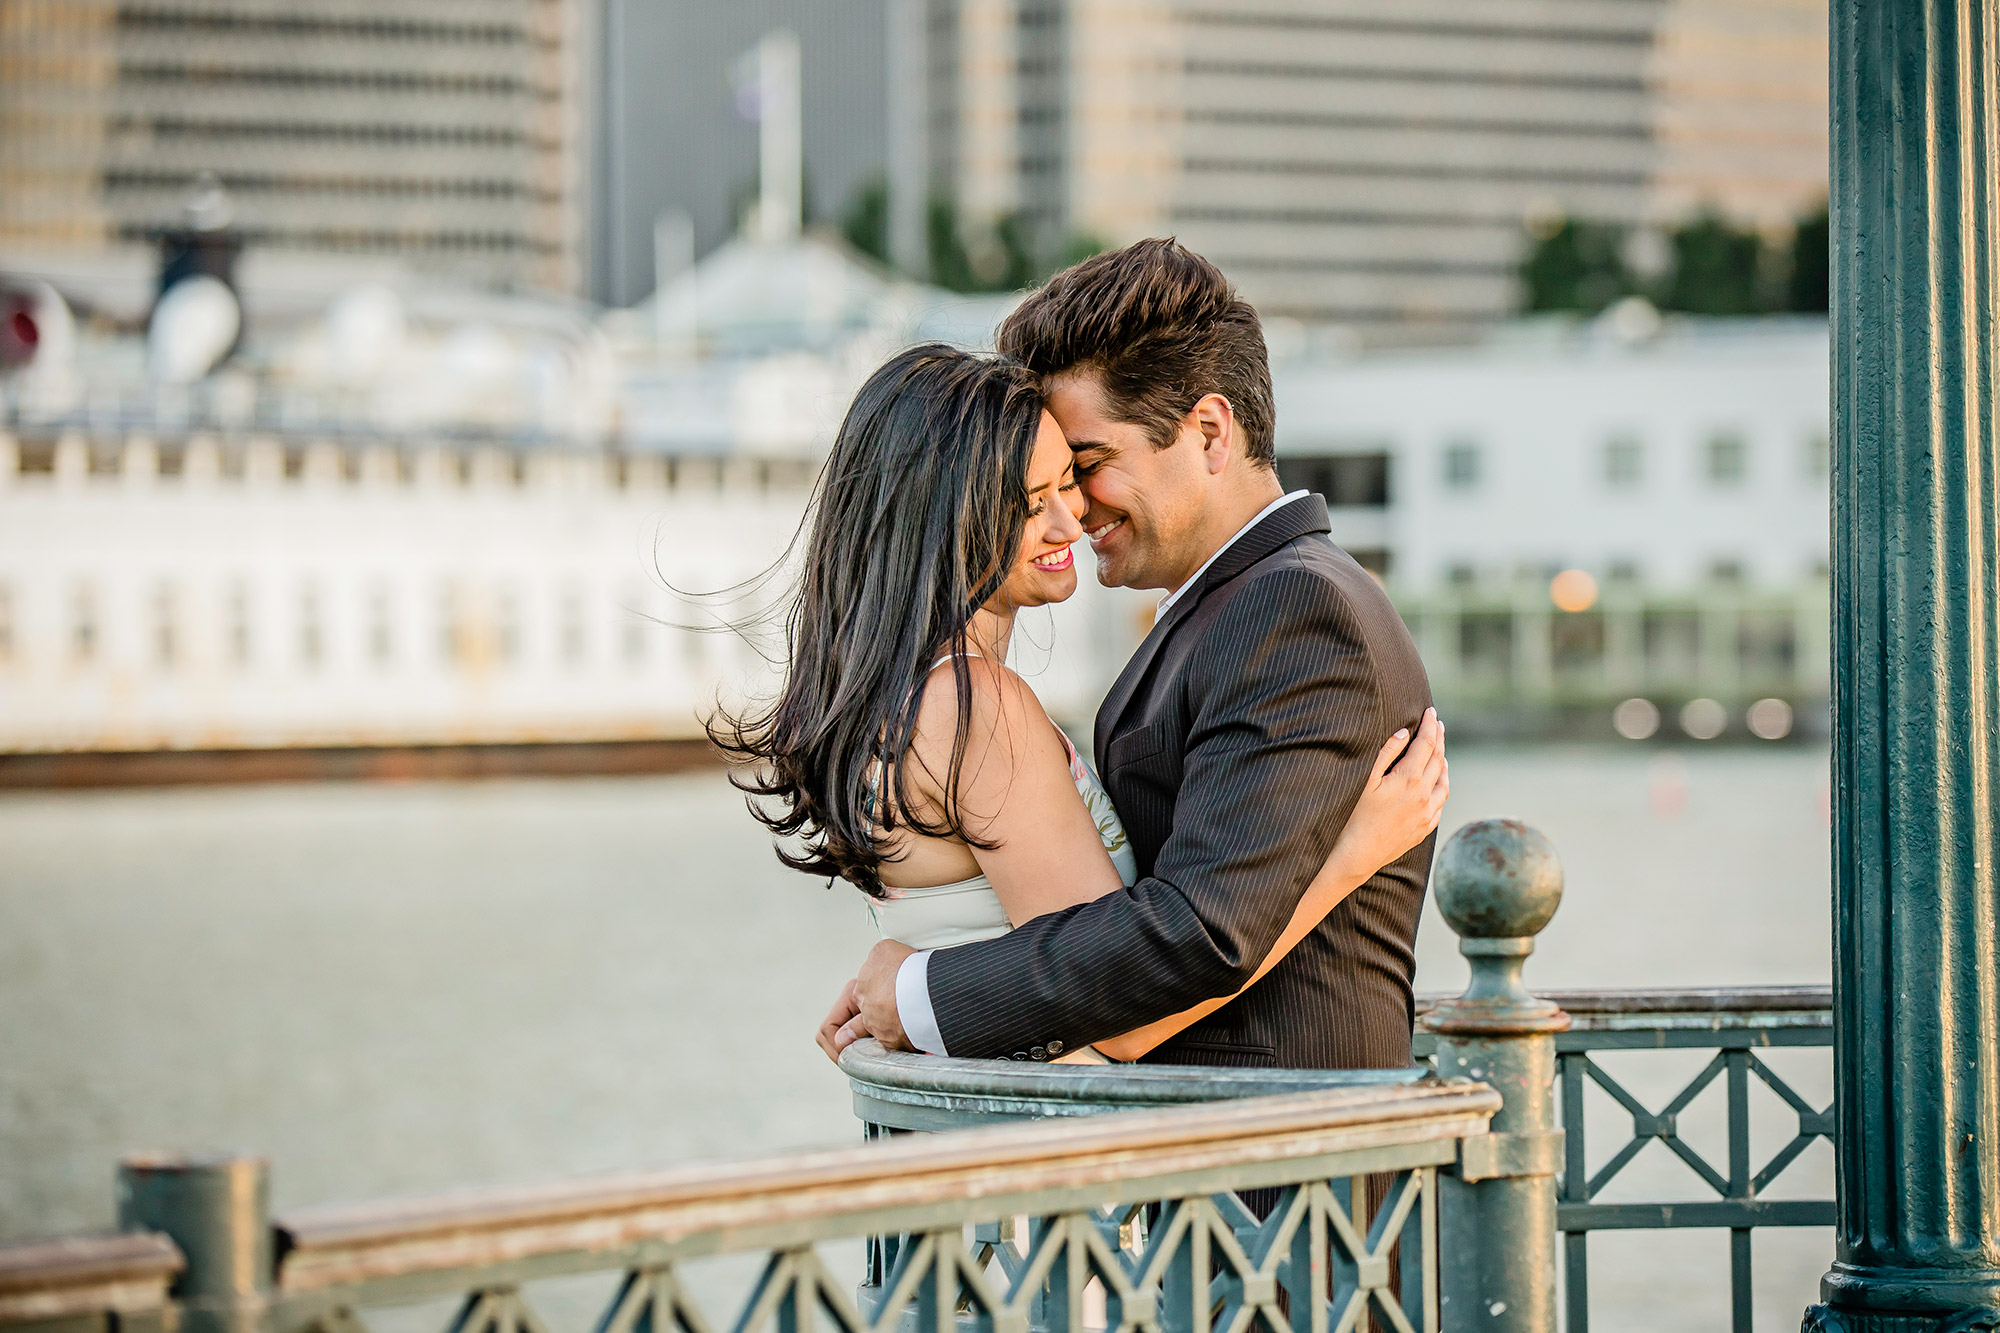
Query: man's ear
(1215, 419)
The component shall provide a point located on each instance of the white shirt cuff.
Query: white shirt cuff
(913, 1003)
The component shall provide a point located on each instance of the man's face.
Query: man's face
(1145, 503)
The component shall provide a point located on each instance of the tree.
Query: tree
(1807, 273)
(865, 221)
(1576, 266)
(1717, 269)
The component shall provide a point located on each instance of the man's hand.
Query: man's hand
(875, 996)
(846, 1009)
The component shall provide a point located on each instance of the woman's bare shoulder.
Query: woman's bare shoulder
(1001, 703)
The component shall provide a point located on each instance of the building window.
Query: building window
(1728, 459)
(1346, 480)
(507, 625)
(1818, 457)
(1461, 466)
(312, 634)
(1726, 570)
(1623, 571)
(636, 628)
(1461, 574)
(83, 637)
(238, 613)
(570, 618)
(165, 628)
(1624, 463)
(381, 627)
(451, 625)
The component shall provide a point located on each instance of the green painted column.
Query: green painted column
(1916, 666)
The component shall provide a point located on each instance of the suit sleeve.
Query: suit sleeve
(1285, 719)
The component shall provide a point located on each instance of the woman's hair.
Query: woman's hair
(916, 524)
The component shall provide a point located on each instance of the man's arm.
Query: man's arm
(1286, 722)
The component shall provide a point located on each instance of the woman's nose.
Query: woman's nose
(1066, 523)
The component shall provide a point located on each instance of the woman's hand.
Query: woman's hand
(1400, 806)
(846, 1010)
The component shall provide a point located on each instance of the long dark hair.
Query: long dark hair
(916, 523)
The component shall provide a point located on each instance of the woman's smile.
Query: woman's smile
(1054, 561)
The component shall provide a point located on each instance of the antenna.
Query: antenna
(780, 131)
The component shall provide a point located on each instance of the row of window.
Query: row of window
(468, 628)
(1725, 570)
(1724, 461)
(1672, 645)
(385, 464)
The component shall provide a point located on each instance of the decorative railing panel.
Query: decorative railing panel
(1136, 1219)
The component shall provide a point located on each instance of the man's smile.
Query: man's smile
(1098, 534)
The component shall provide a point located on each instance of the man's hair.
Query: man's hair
(1161, 327)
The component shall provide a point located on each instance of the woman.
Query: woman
(901, 749)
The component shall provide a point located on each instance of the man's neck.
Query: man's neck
(1226, 515)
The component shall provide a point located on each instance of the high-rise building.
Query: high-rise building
(450, 134)
(1346, 162)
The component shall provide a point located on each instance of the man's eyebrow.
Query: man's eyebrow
(1090, 446)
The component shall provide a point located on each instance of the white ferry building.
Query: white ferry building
(1569, 516)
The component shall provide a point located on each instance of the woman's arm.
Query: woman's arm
(1015, 792)
(1398, 809)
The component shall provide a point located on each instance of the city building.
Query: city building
(1345, 163)
(1573, 514)
(452, 137)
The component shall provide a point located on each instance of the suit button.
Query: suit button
(1039, 1052)
(1055, 1048)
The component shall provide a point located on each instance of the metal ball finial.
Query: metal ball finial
(1498, 879)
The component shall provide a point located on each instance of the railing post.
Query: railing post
(1498, 882)
(217, 1210)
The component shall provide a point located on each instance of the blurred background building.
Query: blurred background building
(453, 135)
(1341, 162)
(381, 373)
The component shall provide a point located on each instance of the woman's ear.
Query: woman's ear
(1216, 420)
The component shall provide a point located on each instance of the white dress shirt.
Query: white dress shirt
(913, 985)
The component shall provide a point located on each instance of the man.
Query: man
(1235, 743)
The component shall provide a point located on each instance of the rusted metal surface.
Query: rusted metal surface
(86, 1275)
(1186, 1162)
(353, 763)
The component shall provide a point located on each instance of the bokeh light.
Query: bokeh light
(1769, 719)
(1704, 719)
(1573, 590)
(1636, 719)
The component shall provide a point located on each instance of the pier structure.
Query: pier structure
(1916, 667)
(1420, 1198)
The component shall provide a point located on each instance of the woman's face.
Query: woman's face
(1045, 569)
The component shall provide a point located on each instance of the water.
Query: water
(395, 989)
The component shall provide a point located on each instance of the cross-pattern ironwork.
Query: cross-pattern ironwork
(1739, 1205)
(1205, 1264)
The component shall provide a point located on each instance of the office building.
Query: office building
(451, 136)
(1347, 163)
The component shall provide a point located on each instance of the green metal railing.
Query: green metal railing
(204, 1256)
(896, 1092)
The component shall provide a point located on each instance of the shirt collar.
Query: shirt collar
(1167, 602)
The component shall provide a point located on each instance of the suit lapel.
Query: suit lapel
(1283, 525)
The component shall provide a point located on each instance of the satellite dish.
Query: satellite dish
(194, 326)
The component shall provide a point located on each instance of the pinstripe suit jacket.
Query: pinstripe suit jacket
(1235, 745)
